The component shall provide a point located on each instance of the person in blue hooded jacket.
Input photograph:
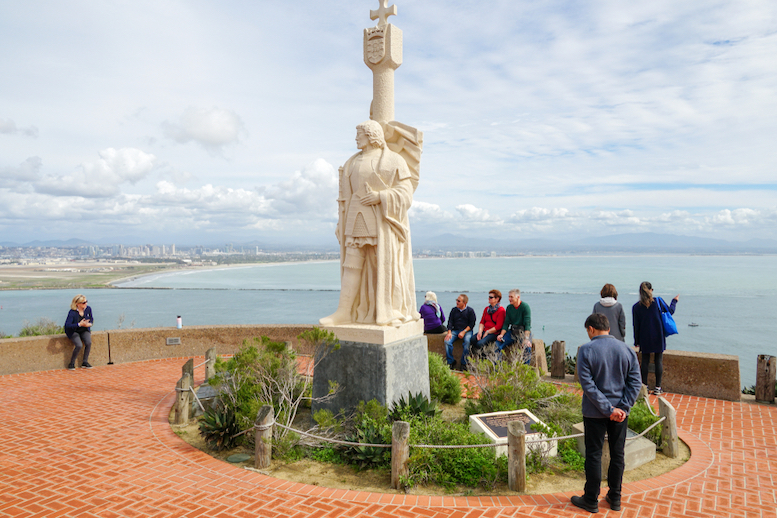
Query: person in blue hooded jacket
(78, 327)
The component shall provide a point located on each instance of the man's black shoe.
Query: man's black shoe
(71, 367)
(580, 502)
(615, 506)
(86, 365)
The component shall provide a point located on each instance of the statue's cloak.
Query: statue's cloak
(387, 288)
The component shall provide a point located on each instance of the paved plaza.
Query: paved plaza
(97, 443)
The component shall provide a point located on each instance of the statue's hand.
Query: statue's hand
(371, 198)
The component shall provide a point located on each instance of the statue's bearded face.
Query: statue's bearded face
(362, 140)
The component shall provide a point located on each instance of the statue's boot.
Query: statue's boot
(349, 286)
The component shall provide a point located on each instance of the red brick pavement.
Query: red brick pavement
(96, 443)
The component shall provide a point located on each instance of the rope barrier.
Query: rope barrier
(334, 441)
(439, 446)
(650, 407)
(201, 364)
(197, 399)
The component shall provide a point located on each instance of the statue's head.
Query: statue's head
(374, 132)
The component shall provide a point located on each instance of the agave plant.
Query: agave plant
(219, 427)
(412, 406)
(365, 456)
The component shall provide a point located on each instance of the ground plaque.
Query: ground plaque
(494, 426)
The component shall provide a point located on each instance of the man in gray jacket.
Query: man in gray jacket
(610, 379)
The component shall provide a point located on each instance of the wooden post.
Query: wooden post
(539, 360)
(764, 378)
(188, 368)
(263, 448)
(400, 452)
(669, 439)
(558, 360)
(516, 456)
(183, 401)
(643, 393)
(210, 367)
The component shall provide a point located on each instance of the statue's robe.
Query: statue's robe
(387, 288)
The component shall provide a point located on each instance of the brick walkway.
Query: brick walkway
(97, 443)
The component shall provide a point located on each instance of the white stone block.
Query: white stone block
(494, 427)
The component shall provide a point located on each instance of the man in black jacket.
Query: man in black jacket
(461, 322)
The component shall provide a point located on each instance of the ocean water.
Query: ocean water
(731, 298)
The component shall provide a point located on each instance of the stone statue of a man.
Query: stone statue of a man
(376, 191)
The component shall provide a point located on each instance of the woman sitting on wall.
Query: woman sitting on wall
(78, 328)
(491, 323)
(433, 315)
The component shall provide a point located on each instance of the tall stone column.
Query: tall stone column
(383, 55)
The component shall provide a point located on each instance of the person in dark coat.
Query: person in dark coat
(78, 327)
(609, 378)
(461, 322)
(649, 332)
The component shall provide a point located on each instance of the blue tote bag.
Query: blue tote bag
(670, 328)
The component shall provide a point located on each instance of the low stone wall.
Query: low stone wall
(709, 375)
(700, 374)
(695, 374)
(40, 353)
(129, 345)
(43, 353)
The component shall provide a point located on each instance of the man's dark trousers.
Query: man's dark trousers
(594, 442)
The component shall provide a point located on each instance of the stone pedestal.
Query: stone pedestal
(373, 362)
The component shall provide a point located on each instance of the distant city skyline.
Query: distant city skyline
(215, 123)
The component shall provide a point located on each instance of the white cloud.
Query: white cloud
(559, 118)
(313, 190)
(102, 177)
(539, 214)
(473, 214)
(211, 128)
(27, 171)
(424, 213)
(9, 127)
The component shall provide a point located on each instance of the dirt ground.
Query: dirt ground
(347, 477)
(75, 274)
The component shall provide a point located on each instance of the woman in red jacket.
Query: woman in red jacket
(490, 323)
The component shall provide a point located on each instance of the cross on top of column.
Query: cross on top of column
(383, 12)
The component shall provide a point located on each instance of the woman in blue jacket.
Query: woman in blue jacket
(78, 328)
(649, 332)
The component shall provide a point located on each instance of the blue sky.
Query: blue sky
(202, 122)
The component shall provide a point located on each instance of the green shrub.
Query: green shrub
(444, 384)
(568, 454)
(219, 428)
(327, 421)
(548, 355)
(418, 405)
(327, 454)
(370, 426)
(570, 364)
(511, 385)
(262, 372)
(470, 467)
(43, 327)
(640, 418)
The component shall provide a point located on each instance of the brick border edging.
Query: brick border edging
(700, 461)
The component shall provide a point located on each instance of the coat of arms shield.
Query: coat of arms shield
(376, 49)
